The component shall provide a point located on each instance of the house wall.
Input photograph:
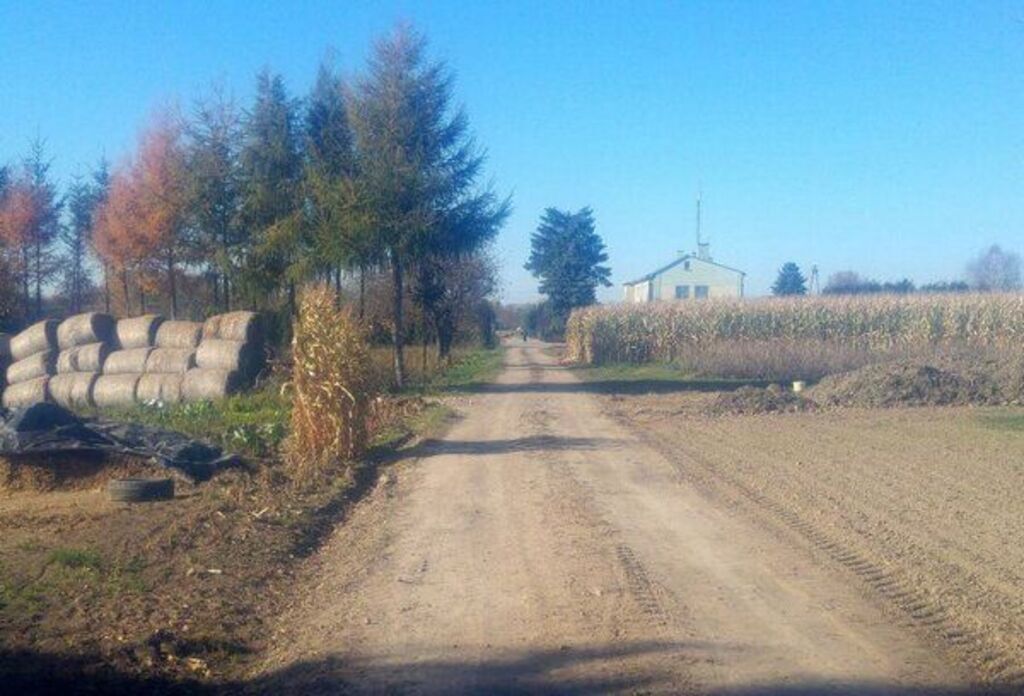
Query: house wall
(721, 282)
(637, 292)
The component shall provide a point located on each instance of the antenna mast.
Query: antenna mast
(702, 246)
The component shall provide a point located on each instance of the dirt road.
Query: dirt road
(542, 546)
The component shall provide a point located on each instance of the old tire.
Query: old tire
(135, 490)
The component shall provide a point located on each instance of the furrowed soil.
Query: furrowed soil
(920, 508)
(558, 540)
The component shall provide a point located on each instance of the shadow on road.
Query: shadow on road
(582, 670)
(639, 386)
(534, 443)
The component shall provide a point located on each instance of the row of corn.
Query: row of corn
(666, 332)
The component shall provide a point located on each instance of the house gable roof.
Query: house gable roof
(684, 257)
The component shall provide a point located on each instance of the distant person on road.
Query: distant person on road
(522, 332)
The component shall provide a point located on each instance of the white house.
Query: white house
(689, 277)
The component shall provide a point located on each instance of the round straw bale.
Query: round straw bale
(91, 327)
(73, 389)
(115, 390)
(232, 356)
(234, 326)
(178, 334)
(87, 358)
(5, 346)
(138, 332)
(207, 385)
(165, 389)
(122, 362)
(27, 393)
(34, 366)
(38, 338)
(171, 360)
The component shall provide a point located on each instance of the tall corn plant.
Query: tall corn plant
(332, 385)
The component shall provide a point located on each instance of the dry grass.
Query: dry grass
(794, 337)
(332, 386)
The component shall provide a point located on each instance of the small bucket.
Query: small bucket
(798, 386)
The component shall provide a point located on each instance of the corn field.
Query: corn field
(889, 324)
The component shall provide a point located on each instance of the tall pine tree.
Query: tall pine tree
(790, 281)
(271, 170)
(568, 257)
(83, 198)
(417, 192)
(335, 242)
(214, 191)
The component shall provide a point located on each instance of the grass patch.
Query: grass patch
(1007, 421)
(655, 377)
(253, 423)
(626, 372)
(429, 422)
(77, 559)
(468, 367)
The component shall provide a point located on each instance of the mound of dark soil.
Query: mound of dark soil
(754, 400)
(909, 384)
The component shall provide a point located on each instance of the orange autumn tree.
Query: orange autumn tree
(141, 228)
(115, 233)
(18, 215)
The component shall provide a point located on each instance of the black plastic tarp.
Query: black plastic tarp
(43, 429)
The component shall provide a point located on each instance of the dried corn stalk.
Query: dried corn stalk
(331, 385)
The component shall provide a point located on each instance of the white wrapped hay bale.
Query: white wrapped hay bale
(171, 360)
(112, 391)
(73, 390)
(179, 334)
(27, 393)
(138, 332)
(82, 329)
(244, 327)
(209, 385)
(229, 356)
(38, 338)
(34, 366)
(87, 358)
(131, 361)
(159, 388)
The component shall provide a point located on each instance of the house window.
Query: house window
(700, 292)
(682, 292)
(686, 265)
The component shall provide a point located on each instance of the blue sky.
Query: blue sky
(883, 137)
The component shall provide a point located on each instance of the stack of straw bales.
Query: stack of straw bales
(93, 360)
(84, 341)
(33, 360)
(230, 356)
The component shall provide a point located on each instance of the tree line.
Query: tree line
(372, 183)
(993, 270)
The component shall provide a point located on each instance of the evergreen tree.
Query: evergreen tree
(48, 205)
(215, 191)
(8, 285)
(271, 169)
(790, 281)
(567, 255)
(83, 198)
(416, 192)
(329, 171)
(32, 210)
